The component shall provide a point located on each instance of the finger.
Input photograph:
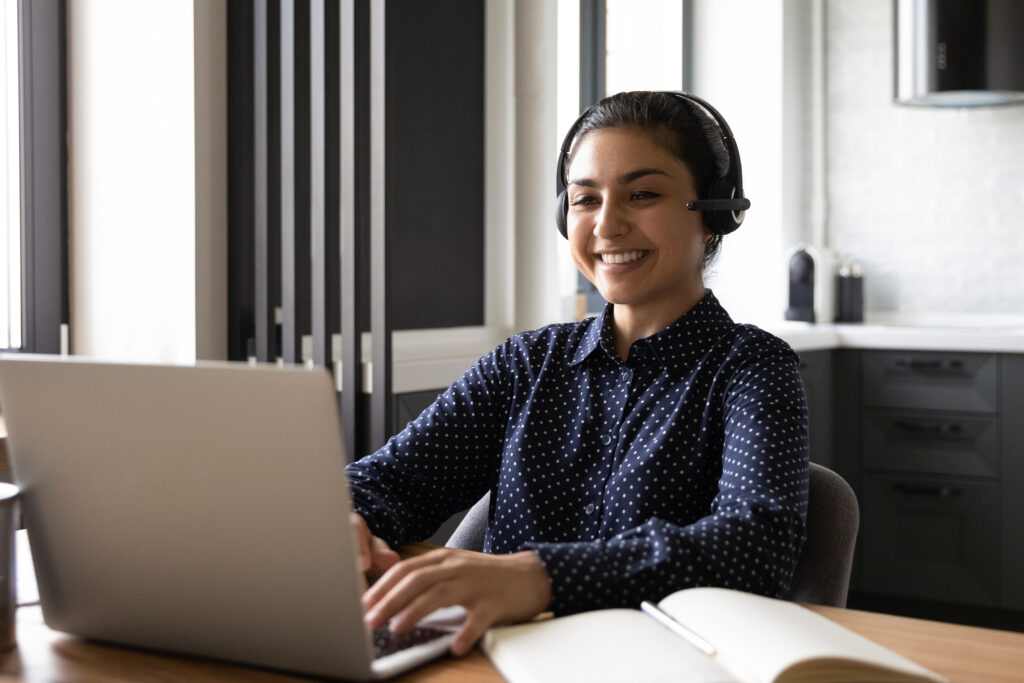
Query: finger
(362, 534)
(397, 572)
(472, 629)
(442, 594)
(405, 591)
(384, 557)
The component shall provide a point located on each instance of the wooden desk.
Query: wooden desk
(965, 654)
(962, 653)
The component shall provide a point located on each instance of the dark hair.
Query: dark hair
(676, 124)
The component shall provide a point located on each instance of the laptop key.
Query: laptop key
(385, 642)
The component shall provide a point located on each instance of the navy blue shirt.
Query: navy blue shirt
(684, 466)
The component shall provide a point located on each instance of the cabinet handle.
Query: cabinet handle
(937, 364)
(936, 491)
(937, 429)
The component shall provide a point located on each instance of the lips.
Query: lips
(623, 256)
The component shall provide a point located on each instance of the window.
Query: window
(33, 227)
(10, 186)
(654, 62)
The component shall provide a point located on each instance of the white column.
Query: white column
(537, 300)
(146, 167)
(211, 179)
(747, 86)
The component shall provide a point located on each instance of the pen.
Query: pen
(666, 620)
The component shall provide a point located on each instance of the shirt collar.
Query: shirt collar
(681, 342)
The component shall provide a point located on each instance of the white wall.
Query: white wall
(738, 68)
(929, 200)
(147, 179)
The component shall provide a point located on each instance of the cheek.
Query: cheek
(579, 244)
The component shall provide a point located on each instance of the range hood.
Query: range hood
(959, 53)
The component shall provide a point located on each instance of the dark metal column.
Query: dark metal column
(286, 125)
(261, 174)
(351, 336)
(380, 313)
(317, 171)
(592, 51)
(42, 75)
(687, 45)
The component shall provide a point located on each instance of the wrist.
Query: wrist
(535, 575)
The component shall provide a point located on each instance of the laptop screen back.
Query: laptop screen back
(194, 509)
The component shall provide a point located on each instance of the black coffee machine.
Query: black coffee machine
(801, 286)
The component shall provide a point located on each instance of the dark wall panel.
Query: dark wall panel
(435, 161)
(434, 169)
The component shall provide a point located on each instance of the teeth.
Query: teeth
(625, 257)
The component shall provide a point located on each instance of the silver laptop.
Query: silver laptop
(200, 510)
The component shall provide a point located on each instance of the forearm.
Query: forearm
(441, 463)
(755, 554)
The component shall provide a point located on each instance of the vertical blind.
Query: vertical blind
(333, 106)
(296, 263)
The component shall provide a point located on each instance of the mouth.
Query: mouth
(623, 256)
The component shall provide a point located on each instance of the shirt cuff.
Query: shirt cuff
(580, 579)
(378, 517)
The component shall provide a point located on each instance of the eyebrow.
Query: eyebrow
(624, 179)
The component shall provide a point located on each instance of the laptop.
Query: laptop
(195, 509)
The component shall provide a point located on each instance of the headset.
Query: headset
(724, 204)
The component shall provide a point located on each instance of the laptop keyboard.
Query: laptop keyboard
(385, 642)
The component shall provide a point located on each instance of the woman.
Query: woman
(654, 447)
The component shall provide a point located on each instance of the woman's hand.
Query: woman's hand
(375, 555)
(492, 588)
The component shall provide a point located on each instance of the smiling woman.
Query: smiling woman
(656, 446)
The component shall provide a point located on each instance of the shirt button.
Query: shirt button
(624, 375)
(605, 439)
(589, 509)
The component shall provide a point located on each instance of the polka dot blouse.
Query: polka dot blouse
(684, 466)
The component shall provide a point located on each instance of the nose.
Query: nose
(611, 222)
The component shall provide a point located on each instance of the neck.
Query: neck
(632, 322)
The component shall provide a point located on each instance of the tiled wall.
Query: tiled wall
(930, 201)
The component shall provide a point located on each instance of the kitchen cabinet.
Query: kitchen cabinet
(932, 442)
(1011, 430)
(816, 370)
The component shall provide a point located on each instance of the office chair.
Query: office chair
(822, 575)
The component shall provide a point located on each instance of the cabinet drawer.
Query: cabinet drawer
(930, 444)
(930, 538)
(931, 380)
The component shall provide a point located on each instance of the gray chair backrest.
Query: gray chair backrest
(822, 575)
(469, 534)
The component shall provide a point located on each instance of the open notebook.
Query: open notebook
(201, 510)
(754, 640)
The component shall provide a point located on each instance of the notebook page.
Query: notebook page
(759, 637)
(606, 646)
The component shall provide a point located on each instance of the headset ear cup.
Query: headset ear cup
(722, 222)
(562, 213)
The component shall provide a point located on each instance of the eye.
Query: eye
(584, 200)
(640, 195)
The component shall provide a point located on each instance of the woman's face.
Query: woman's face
(630, 232)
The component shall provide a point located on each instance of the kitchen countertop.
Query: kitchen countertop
(915, 336)
(437, 363)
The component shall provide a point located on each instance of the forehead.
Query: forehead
(622, 149)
